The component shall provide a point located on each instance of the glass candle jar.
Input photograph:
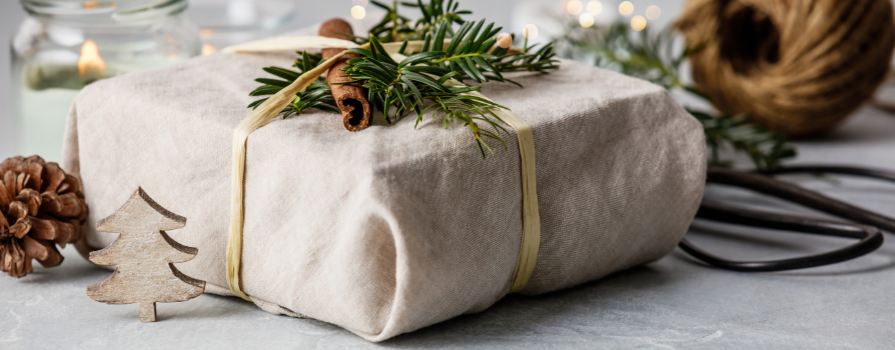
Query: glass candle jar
(224, 23)
(64, 45)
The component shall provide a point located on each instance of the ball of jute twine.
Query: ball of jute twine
(799, 67)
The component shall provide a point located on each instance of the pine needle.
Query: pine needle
(658, 59)
(428, 82)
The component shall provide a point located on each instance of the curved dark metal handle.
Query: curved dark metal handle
(832, 169)
(871, 237)
(797, 194)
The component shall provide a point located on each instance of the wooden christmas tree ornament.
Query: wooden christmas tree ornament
(145, 256)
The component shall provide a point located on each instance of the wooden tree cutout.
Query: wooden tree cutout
(145, 256)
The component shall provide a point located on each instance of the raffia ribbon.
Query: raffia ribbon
(267, 111)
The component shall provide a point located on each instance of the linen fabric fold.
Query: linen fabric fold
(391, 229)
(269, 110)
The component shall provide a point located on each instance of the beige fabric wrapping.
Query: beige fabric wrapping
(270, 109)
(392, 229)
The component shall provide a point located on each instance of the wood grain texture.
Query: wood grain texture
(144, 255)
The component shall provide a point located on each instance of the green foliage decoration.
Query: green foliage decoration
(437, 80)
(658, 58)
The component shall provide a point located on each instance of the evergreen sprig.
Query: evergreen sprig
(656, 58)
(480, 60)
(419, 79)
(764, 148)
(317, 95)
(431, 81)
(395, 27)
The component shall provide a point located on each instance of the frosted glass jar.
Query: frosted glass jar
(64, 45)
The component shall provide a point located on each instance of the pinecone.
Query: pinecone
(40, 205)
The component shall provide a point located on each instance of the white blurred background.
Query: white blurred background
(511, 14)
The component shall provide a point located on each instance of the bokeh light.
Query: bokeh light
(504, 40)
(594, 7)
(626, 8)
(530, 31)
(653, 12)
(574, 7)
(638, 23)
(208, 50)
(206, 33)
(358, 12)
(586, 20)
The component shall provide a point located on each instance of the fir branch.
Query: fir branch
(655, 58)
(431, 80)
(420, 85)
(473, 55)
(318, 95)
(436, 24)
(395, 27)
(765, 149)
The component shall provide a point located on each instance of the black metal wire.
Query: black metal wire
(869, 233)
(879, 174)
(870, 237)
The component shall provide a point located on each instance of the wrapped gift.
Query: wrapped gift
(393, 228)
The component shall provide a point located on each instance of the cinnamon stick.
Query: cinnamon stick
(350, 98)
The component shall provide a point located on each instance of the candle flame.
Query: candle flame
(90, 65)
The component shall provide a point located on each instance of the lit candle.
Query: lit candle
(49, 85)
(82, 44)
(91, 66)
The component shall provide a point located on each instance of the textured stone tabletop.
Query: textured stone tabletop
(673, 303)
